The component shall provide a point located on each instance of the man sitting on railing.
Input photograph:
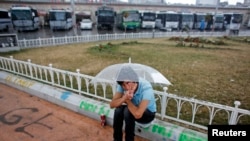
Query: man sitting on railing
(134, 102)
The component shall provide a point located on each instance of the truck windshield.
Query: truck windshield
(172, 17)
(21, 15)
(132, 17)
(187, 18)
(148, 17)
(106, 13)
(237, 18)
(219, 19)
(57, 16)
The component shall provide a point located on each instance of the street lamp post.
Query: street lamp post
(73, 16)
(216, 10)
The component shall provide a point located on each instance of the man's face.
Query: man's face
(127, 85)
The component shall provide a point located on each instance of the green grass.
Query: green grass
(215, 70)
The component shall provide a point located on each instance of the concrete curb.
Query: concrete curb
(157, 131)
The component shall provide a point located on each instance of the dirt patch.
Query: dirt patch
(27, 118)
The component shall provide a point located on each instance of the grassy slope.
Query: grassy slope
(215, 73)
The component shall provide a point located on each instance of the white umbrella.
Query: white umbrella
(131, 71)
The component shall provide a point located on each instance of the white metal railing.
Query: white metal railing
(197, 113)
(41, 42)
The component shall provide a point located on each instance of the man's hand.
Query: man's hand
(129, 94)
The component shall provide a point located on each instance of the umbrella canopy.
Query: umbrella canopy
(130, 72)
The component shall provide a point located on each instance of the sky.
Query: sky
(230, 2)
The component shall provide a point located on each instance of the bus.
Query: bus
(5, 20)
(233, 22)
(167, 20)
(60, 19)
(218, 21)
(186, 21)
(128, 19)
(148, 19)
(24, 18)
(105, 17)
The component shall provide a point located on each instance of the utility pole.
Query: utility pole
(216, 10)
(73, 16)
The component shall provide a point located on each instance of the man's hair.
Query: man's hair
(120, 82)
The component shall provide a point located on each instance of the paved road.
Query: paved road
(47, 33)
(27, 118)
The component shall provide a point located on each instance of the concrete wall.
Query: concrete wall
(157, 131)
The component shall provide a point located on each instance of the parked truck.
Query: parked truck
(24, 18)
(233, 22)
(60, 19)
(186, 21)
(105, 17)
(167, 20)
(148, 19)
(218, 22)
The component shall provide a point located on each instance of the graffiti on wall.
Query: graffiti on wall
(19, 81)
(90, 107)
(174, 133)
(167, 133)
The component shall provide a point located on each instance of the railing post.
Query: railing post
(234, 114)
(30, 68)
(78, 81)
(163, 103)
(40, 43)
(153, 33)
(66, 40)
(53, 39)
(51, 74)
(25, 44)
(12, 63)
